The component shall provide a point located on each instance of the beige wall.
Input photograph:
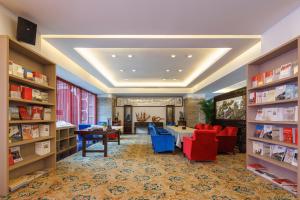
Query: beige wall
(192, 112)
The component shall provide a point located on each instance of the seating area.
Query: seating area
(204, 144)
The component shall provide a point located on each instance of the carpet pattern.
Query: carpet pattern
(133, 172)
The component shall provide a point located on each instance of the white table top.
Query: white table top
(180, 130)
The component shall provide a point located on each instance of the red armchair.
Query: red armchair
(227, 139)
(202, 146)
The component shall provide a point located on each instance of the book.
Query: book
(28, 74)
(258, 148)
(260, 79)
(285, 70)
(295, 67)
(47, 114)
(10, 158)
(252, 97)
(15, 91)
(14, 113)
(266, 149)
(295, 135)
(44, 97)
(26, 93)
(289, 114)
(288, 135)
(289, 156)
(277, 133)
(35, 132)
(26, 131)
(285, 92)
(36, 95)
(295, 158)
(254, 81)
(268, 76)
(259, 115)
(16, 154)
(267, 132)
(36, 112)
(44, 130)
(42, 148)
(255, 166)
(14, 134)
(259, 129)
(278, 152)
(283, 181)
(24, 113)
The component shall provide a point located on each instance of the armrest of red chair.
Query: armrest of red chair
(226, 143)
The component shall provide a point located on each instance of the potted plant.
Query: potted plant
(207, 107)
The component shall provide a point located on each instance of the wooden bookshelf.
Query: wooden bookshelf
(274, 102)
(24, 101)
(273, 142)
(286, 53)
(28, 59)
(272, 122)
(66, 142)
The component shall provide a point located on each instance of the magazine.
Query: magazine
(16, 153)
(278, 152)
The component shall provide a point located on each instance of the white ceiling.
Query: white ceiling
(151, 66)
(160, 17)
(72, 24)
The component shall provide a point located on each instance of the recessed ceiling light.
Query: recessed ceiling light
(114, 55)
(121, 70)
(126, 79)
(130, 56)
(174, 79)
(190, 55)
(173, 55)
(180, 70)
(164, 79)
(133, 70)
(167, 70)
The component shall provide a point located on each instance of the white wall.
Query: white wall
(283, 31)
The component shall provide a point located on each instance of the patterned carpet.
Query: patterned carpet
(133, 172)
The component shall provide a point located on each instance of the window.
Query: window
(74, 104)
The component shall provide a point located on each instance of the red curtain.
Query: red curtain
(74, 104)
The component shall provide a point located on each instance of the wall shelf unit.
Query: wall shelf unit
(66, 142)
(32, 162)
(287, 53)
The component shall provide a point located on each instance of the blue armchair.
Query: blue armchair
(162, 140)
(79, 138)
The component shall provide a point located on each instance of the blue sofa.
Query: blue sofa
(162, 140)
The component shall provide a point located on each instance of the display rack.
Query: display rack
(66, 142)
(14, 51)
(286, 53)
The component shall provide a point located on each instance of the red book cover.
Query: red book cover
(256, 166)
(10, 159)
(26, 93)
(36, 112)
(37, 74)
(284, 181)
(296, 135)
(260, 79)
(24, 114)
(288, 135)
(254, 81)
(15, 91)
(268, 76)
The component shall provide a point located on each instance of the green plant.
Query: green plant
(207, 107)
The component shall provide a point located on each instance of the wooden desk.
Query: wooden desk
(86, 132)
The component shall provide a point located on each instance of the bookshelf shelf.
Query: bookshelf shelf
(273, 102)
(287, 57)
(24, 142)
(30, 121)
(19, 55)
(273, 182)
(29, 160)
(30, 83)
(66, 141)
(275, 162)
(30, 102)
(276, 83)
(273, 122)
(273, 142)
